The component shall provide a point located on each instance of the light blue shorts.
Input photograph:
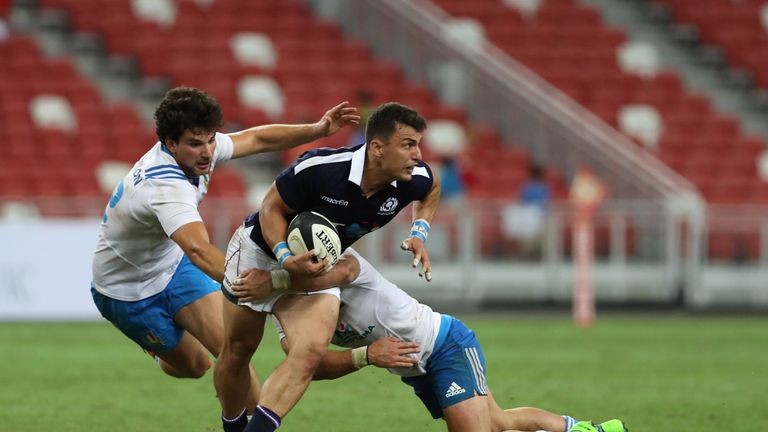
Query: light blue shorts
(149, 322)
(455, 370)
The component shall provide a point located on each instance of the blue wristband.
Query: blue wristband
(420, 229)
(281, 252)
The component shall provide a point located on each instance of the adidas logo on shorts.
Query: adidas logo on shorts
(454, 390)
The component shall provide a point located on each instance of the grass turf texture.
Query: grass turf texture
(658, 373)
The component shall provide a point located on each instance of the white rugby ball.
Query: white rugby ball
(310, 230)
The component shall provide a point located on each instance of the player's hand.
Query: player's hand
(312, 263)
(420, 255)
(337, 117)
(252, 285)
(391, 352)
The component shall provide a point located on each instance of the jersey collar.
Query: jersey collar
(358, 163)
(194, 180)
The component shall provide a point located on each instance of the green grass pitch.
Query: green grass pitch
(657, 372)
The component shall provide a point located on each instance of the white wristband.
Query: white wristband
(360, 357)
(281, 280)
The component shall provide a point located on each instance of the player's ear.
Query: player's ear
(169, 143)
(377, 148)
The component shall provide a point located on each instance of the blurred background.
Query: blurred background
(665, 101)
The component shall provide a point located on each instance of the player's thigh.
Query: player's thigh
(194, 299)
(188, 357)
(307, 319)
(469, 415)
(243, 327)
(203, 320)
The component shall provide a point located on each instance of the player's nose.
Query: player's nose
(207, 152)
(416, 154)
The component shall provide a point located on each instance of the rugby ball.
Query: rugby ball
(310, 230)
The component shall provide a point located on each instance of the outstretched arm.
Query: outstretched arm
(423, 212)
(272, 137)
(386, 352)
(193, 240)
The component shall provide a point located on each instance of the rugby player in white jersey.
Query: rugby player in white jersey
(434, 353)
(155, 272)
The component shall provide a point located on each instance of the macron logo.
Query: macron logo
(335, 201)
(454, 390)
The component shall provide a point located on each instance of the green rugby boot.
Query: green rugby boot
(614, 425)
(583, 426)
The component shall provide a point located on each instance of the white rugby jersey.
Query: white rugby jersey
(135, 257)
(373, 307)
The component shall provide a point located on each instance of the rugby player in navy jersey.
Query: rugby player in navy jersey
(359, 189)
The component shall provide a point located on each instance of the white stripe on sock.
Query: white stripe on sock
(232, 420)
(569, 422)
(269, 416)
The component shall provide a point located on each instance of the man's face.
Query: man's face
(194, 151)
(399, 155)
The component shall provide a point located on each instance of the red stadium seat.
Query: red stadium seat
(735, 26)
(310, 81)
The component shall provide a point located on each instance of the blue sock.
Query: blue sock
(236, 424)
(263, 420)
(569, 422)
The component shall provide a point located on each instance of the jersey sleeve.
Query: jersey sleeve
(294, 188)
(422, 181)
(174, 203)
(224, 147)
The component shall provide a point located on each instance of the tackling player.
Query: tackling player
(434, 353)
(155, 272)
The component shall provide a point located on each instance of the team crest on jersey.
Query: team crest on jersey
(153, 339)
(137, 177)
(345, 334)
(389, 206)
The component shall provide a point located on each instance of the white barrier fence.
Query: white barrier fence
(45, 263)
(45, 269)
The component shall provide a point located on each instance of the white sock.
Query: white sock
(569, 422)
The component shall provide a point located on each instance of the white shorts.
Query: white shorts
(243, 254)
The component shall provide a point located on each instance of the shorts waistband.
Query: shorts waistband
(445, 326)
(228, 295)
(251, 220)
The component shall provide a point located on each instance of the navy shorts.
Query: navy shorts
(455, 370)
(149, 322)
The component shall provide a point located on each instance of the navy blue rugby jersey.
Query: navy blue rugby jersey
(327, 181)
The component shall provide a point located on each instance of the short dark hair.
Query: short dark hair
(186, 108)
(382, 122)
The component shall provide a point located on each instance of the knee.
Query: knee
(309, 355)
(238, 351)
(200, 367)
(192, 368)
(315, 350)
